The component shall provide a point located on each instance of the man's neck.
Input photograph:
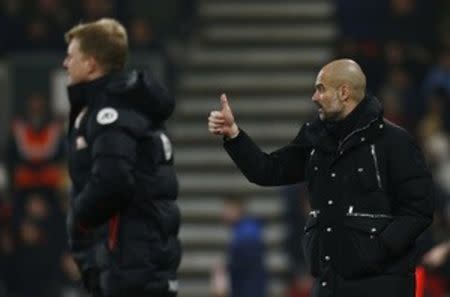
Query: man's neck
(95, 75)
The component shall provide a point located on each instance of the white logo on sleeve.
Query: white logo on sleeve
(107, 115)
(167, 146)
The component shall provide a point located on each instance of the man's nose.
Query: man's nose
(314, 97)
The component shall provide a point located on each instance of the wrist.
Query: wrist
(234, 131)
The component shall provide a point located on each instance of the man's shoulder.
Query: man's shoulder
(110, 114)
(396, 133)
(399, 140)
(308, 133)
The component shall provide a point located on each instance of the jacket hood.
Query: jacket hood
(144, 94)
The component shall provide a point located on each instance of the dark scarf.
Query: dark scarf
(340, 129)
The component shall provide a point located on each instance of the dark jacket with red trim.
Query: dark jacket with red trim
(123, 221)
(370, 194)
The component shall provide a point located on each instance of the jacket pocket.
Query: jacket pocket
(311, 245)
(362, 252)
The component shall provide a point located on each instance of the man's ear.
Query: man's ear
(344, 92)
(92, 64)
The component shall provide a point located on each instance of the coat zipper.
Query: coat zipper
(375, 162)
(351, 213)
(355, 131)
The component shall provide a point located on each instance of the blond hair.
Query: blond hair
(106, 40)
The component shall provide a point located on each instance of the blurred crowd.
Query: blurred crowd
(40, 24)
(33, 249)
(33, 179)
(404, 48)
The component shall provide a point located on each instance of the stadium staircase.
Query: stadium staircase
(264, 54)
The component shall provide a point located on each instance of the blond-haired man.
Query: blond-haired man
(123, 221)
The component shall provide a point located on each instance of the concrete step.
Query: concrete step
(247, 10)
(217, 184)
(249, 81)
(276, 130)
(218, 58)
(204, 158)
(322, 33)
(255, 107)
(218, 235)
(202, 287)
(211, 209)
(202, 261)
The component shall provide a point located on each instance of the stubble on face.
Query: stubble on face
(328, 102)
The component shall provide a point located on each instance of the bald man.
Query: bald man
(370, 189)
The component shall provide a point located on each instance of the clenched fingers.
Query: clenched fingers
(216, 115)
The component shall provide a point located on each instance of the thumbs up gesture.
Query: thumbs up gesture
(222, 122)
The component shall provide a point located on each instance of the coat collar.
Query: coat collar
(82, 94)
(367, 128)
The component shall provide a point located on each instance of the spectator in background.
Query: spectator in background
(187, 15)
(35, 250)
(409, 26)
(435, 141)
(433, 122)
(35, 158)
(12, 23)
(401, 23)
(245, 268)
(36, 152)
(361, 35)
(143, 35)
(439, 75)
(47, 20)
(400, 98)
(92, 10)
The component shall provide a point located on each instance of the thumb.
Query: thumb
(224, 102)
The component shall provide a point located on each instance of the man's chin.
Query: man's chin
(322, 116)
(71, 82)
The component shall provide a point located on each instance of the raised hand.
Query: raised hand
(222, 122)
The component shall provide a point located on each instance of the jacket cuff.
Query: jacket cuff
(227, 139)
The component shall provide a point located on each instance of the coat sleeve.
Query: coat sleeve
(412, 194)
(112, 180)
(281, 167)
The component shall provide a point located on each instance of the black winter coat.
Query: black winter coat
(370, 194)
(123, 221)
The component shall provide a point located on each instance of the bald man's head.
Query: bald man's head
(340, 87)
(346, 72)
